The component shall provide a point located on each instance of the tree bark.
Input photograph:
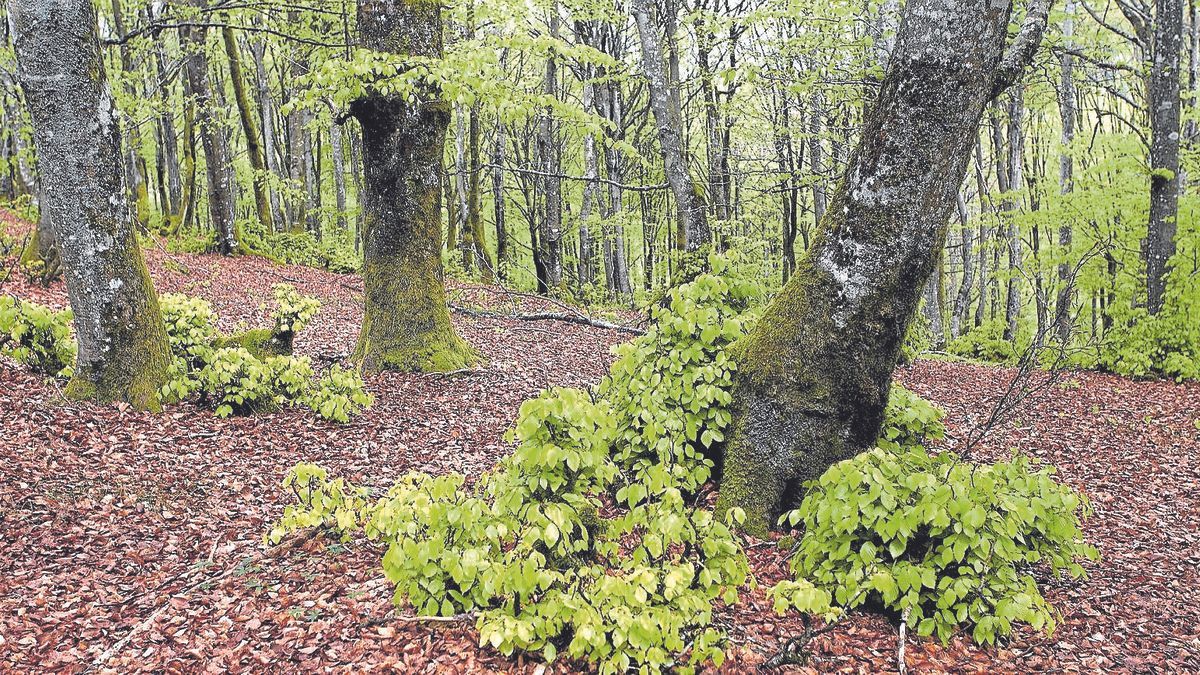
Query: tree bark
(813, 377)
(214, 140)
(1067, 106)
(1164, 148)
(123, 351)
(669, 121)
(406, 325)
(254, 148)
(550, 234)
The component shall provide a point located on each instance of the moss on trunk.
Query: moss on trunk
(406, 325)
(814, 376)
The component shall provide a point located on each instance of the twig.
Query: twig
(437, 619)
(901, 664)
(549, 316)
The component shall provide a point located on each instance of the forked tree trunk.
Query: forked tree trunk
(814, 377)
(407, 324)
(123, 352)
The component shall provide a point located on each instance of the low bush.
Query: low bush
(37, 336)
(940, 542)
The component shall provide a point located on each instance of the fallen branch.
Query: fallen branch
(550, 316)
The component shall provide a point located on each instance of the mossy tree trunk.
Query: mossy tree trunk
(814, 376)
(123, 350)
(407, 324)
(258, 160)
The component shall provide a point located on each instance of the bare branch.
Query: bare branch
(1020, 52)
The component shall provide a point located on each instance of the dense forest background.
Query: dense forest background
(236, 121)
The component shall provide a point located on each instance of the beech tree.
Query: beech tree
(407, 324)
(123, 353)
(814, 376)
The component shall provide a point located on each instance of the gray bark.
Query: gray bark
(669, 121)
(814, 376)
(1067, 106)
(215, 141)
(122, 342)
(1164, 89)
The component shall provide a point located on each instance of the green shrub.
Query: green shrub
(37, 336)
(986, 343)
(234, 381)
(1166, 345)
(939, 541)
(340, 395)
(293, 311)
(671, 388)
(191, 326)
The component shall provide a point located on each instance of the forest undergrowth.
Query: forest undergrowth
(134, 541)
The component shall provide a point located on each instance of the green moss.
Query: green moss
(261, 342)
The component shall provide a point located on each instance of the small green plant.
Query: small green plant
(293, 311)
(191, 326)
(37, 336)
(235, 381)
(340, 395)
(938, 541)
(986, 343)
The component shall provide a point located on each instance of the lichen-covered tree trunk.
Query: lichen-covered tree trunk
(123, 350)
(1164, 109)
(407, 324)
(1067, 110)
(814, 376)
(550, 231)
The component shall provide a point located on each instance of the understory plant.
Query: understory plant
(234, 380)
(589, 540)
(37, 336)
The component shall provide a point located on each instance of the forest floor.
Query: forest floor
(133, 541)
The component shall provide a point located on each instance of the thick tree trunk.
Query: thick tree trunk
(215, 142)
(669, 121)
(1164, 148)
(407, 324)
(123, 352)
(813, 378)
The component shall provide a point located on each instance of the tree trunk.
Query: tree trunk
(123, 353)
(962, 301)
(258, 161)
(669, 121)
(813, 378)
(550, 234)
(498, 210)
(1016, 162)
(1164, 148)
(270, 143)
(214, 140)
(1067, 106)
(406, 325)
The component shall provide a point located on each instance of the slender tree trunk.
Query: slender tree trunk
(133, 169)
(406, 325)
(1016, 161)
(669, 121)
(1164, 92)
(337, 153)
(1067, 106)
(550, 235)
(814, 376)
(270, 142)
(498, 210)
(123, 351)
(962, 301)
(254, 148)
(214, 140)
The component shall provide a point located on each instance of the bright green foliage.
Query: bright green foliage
(37, 336)
(293, 311)
(340, 395)
(332, 253)
(671, 388)
(234, 380)
(949, 542)
(191, 326)
(1164, 345)
(986, 343)
(909, 421)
